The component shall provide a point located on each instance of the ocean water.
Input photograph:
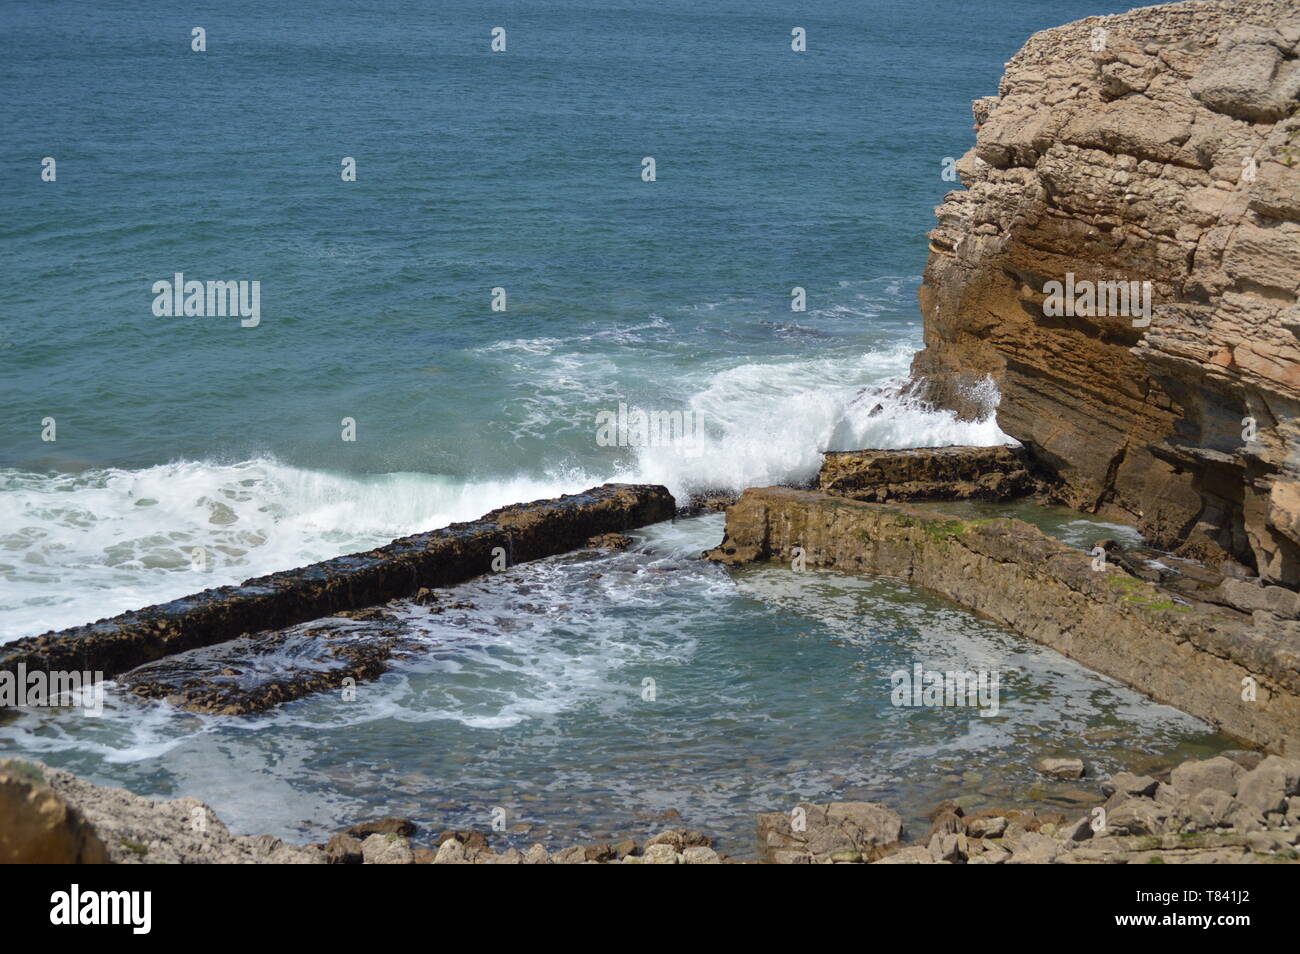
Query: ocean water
(475, 171)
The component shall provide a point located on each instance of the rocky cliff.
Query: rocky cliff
(1160, 146)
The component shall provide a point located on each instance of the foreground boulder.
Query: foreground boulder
(62, 819)
(839, 832)
(38, 826)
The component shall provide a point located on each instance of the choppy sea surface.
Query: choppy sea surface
(518, 170)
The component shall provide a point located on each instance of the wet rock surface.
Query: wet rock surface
(357, 584)
(715, 502)
(255, 673)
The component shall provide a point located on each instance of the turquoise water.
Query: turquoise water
(520, 170)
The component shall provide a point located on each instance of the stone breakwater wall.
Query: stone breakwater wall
(443, 557)
(1199, 657)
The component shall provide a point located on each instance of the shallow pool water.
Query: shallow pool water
(1069, 526)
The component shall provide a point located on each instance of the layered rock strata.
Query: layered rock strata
(927, 473)
(1239, 672)
(443, 557)
(1159, 146)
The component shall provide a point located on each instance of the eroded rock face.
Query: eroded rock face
(1159, 146)
(926, 473)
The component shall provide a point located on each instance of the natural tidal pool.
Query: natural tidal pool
(531, 700)
(1069, 526)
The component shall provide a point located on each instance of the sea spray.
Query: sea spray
(121, 539)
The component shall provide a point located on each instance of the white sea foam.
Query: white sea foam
(78, 547)
(770, 423)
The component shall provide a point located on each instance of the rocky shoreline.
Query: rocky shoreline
(1238, 808)
(1160, 146)
(1239, 672)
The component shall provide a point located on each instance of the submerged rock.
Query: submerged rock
(609, 541)
(1061, 768)
(173, 647)
(389, 825)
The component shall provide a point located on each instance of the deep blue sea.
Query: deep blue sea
(478, 170)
